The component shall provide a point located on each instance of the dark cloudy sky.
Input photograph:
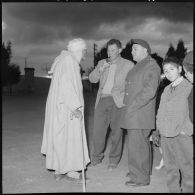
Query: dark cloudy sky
(39, 31)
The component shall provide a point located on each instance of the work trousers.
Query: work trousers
(106, 113)
(178, 159)
(139, 155)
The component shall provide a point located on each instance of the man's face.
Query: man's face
(84, 53)
(113, 51)
(171, 71)
(138, 52)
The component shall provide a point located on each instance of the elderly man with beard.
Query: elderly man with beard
(64, 138)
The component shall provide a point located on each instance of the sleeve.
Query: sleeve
(150, 84)
(68, 89)
(118, 91)
(190, 105)
(94, 76)
(160, 111)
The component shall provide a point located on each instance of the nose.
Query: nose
(109, 53)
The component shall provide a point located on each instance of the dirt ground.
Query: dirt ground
(23, 166)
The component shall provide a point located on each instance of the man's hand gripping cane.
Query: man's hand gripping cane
(76, 113)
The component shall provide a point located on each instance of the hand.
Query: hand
(49, 72)
(104, 65)
(77, 113)
(156, 138)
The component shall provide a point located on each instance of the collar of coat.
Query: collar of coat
(145, 61)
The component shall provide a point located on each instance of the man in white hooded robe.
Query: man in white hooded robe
(64, 138)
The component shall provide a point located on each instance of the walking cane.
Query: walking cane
(83, 171)
(83, 157)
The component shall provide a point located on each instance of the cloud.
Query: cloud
(49, 12)
(40, 30)
(63, 19)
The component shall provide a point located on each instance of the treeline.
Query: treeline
(179, 52)
(10, 72)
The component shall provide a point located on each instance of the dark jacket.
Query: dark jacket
(190, 103)
(142, 83)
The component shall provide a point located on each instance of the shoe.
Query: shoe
(58, 177)
(132, 183)
(70, 179)
(80, 180)
(76, 180)
(93, 163)
(111, 167)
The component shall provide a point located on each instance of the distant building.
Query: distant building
(28, 80)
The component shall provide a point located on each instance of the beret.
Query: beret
(142, 43)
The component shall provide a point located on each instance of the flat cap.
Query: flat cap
(142, 43)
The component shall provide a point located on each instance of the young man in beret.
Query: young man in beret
(64, 121)
(138, 115)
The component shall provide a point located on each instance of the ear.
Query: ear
(145, 50)
(180, 69)
(120, 50)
